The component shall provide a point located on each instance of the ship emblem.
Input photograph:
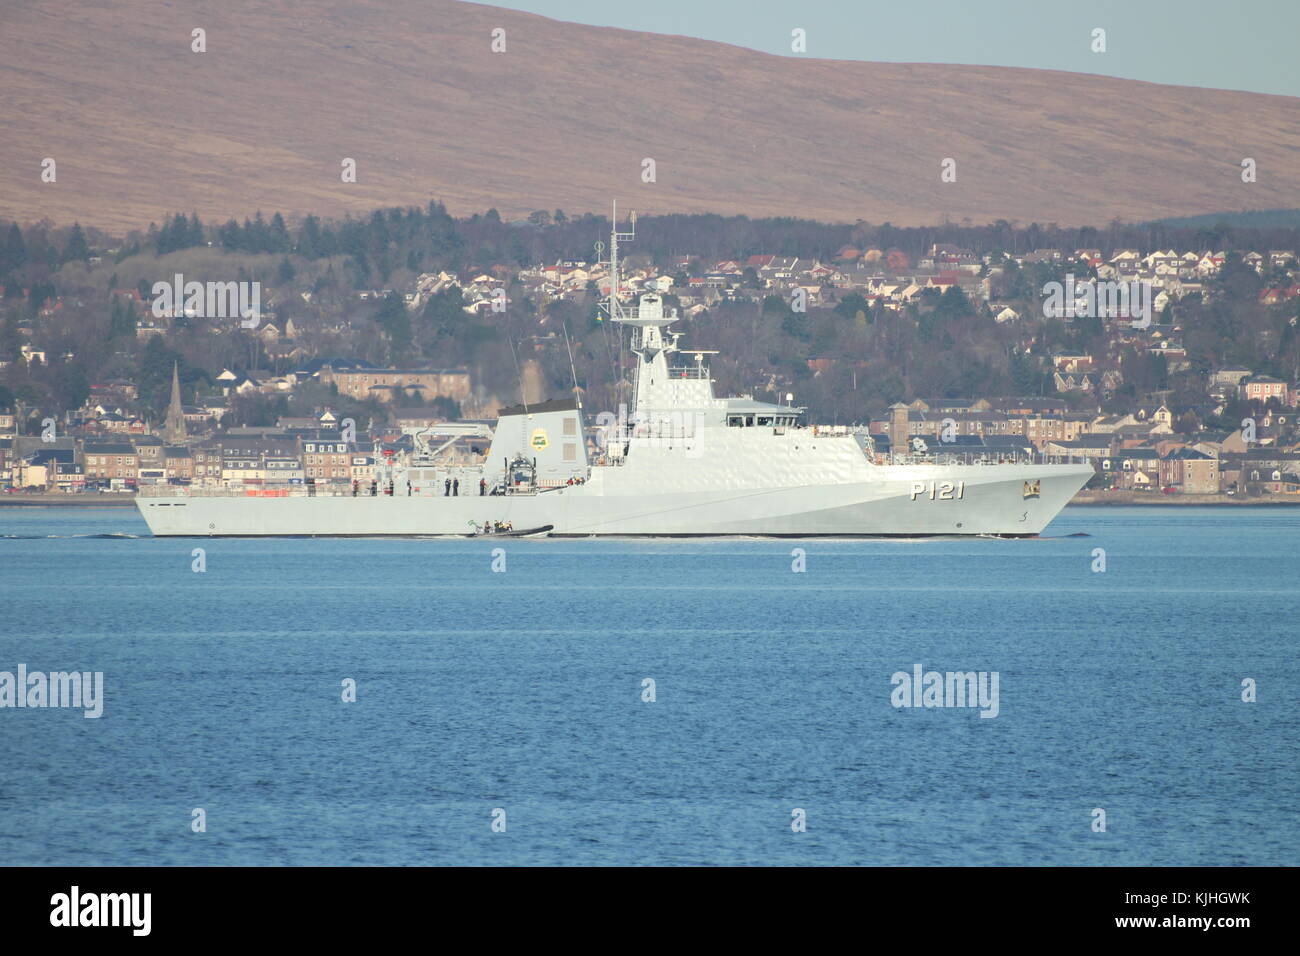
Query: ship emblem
(1031, 489)
(539, 440)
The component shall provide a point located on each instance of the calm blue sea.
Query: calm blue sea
(522, 690)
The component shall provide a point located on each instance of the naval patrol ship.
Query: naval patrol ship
(680, 462)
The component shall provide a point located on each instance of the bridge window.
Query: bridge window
(735, 420)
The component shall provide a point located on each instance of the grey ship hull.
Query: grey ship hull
(994, 501)
(685, 463)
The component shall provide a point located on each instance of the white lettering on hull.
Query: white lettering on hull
(939, 490)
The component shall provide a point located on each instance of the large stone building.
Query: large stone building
(1190, 471)
(326, 459)
(401, 385)
(113, 462)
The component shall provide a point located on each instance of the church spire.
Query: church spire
(174, 430)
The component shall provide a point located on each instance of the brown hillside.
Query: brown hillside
(139, 125)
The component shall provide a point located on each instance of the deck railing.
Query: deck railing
(987, 457)
(253, 491)
(689, 371)
(327, 491)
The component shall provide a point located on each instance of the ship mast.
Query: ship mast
(612, 309)
(617, 314)
(650, 341)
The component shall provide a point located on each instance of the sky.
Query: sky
(1224, 44)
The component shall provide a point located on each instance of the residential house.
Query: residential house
(1263, 388)
(1086, 446)
(113, 463)
(1230, 375)
(326, 459)
(1190, 471)
(178, 464)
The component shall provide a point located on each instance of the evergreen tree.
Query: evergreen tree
(851, 304)
(39, 294)
(261, 236)
(1025, 378)
(122, 319)
(775, 305)
(14, 254)
(396, 322)
(230, 236)
(359, 269)
(77, 250)
(279, 234)
(309, 238)
(286, 273)
(442, 316)
(953, 303)
(11, 342)
(178, 233)
(69, 385)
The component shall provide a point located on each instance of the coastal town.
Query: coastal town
(299, 414)
(444, 433)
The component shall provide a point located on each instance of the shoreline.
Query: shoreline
(1130, 500)
(68, 501)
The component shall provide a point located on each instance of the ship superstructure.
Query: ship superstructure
(680, 462)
